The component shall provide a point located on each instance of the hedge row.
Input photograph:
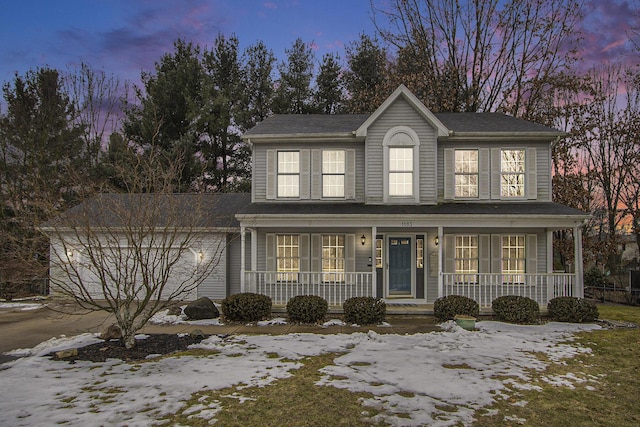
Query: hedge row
(518, 309)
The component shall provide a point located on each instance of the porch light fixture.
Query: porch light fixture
(436, 240)
(363, 239)
(200, 256)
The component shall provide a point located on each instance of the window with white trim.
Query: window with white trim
(513, 258)
(288, 257)
(466, 258)
(288, 174)
(379, 243)
(400, 171)
(333, 170)
(512, 173)
(420, 252)
(333, 265)
(466, 173)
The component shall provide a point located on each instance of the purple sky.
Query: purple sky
(124, 37)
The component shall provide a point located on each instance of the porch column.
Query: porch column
(578, 286)
(254, 249)
(374, 275)
(242, 260)
(550, 279)
(440, 262)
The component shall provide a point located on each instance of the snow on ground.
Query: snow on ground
(20, 306)
(437, 378)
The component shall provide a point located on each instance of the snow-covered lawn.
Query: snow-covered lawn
(438, 378)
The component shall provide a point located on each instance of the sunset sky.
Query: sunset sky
(124, 37)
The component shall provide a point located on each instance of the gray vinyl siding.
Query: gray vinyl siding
(259, 182)
(542, 170)
(234, 247)
(215, 285)
(400, 113)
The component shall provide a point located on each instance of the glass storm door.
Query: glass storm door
(399, 266)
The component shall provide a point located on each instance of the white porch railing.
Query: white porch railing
(335, 288)
(484, 288)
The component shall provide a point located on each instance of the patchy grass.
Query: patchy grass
(294, 401)
(600, 389)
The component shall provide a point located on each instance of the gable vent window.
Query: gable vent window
(333, 170)
(400, 171)
(288, 174)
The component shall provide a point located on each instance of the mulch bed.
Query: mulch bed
(156, 344)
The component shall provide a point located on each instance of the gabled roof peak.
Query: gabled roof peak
(404, 92)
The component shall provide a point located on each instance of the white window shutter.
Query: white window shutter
(484, 174)
(495, 172)
(303, 251)
(272, 171)
(316, 174)
(449, 174)
(449, 253)
(271, 251)
(350, 175)
(531, 173)
(316, 252)
(531, 252)
(305, 174)
(496, 253)
(350, 252)
(484, 253)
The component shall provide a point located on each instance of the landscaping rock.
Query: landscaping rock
(202, 308)
(65, 354)
(197, 335)
(175, 310)
(113, 332)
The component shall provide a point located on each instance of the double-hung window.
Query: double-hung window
(333, 258)
(513, 258)
(333, 170)
(288, 174)
(466, 258)
(512, 173)
(288, 257)
(401, 171)
(466, 173)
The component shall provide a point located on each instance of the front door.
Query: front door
(400, 266)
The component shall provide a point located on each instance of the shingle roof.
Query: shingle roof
(307, 124)
(291, 124)
(180, 210)
(523, 209)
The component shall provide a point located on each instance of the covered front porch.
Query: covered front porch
(483, 288)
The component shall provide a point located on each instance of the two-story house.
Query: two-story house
(401, 204)
(404, 204)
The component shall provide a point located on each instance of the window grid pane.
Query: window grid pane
(466, 257)
(401, 171)
(419, 253)
(466, 173)
(287, 257)
(288, 174)
(333, 170)
(378, 253)
(512, 168)
(513, 258)
(333, 258)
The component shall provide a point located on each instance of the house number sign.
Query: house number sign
(406, 223)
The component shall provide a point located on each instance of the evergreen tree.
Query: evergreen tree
(328, 97)
(294, 93)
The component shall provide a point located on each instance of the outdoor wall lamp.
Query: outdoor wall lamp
(436, 240)
(200, 256)
(363, 239)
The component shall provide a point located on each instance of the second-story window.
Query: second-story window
(400, 171)
(288, 174)
(512, 173)
(333, 170)
(466, 173)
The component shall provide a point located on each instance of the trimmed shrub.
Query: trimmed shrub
(572, 309)
(446, 308)
(307, 309)
(516, 309)
(364, 310)
(246, 307)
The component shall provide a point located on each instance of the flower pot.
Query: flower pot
(466, 322)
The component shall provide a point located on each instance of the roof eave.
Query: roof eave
(503, 136)
(316, 137)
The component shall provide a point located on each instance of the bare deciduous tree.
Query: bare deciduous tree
(133, 254)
